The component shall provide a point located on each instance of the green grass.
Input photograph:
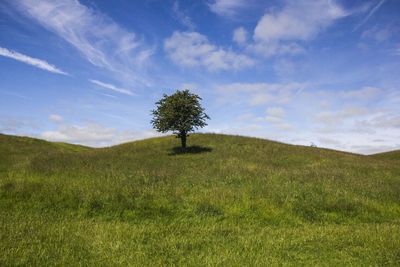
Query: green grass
(231, 201)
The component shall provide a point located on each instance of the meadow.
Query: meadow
(229, 201)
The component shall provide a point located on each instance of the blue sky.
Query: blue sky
(325, 72)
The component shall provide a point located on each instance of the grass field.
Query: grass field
(230, 201)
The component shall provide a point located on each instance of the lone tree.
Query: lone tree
(180, 113)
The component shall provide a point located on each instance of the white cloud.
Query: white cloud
(129, 136)
(90, 134)
(329, 141)
(247, 87)
(240, 35)
(227, 7)
(257, 87)
(387, 121)
(94, 134)
(299, 20)
(193, 49)
(351, 111)
(98, 38)
(41, 64)
(276, 112)
(112, 87)
(248, 130)
(336, 117)
(56, 118)
(330, 123)
(366, 136)
(358, 140)
(259, 93)
(10, 124)
(108, 95)
(275, 115)
(282, 95)
(362, 94)
(324, 104)
(283, 127)
(358, 122)
(263, 98)
(272, 119)
(17, 124)
(279, 124)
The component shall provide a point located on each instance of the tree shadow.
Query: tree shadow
(189, 150)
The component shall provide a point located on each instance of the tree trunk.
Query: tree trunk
(183, 140)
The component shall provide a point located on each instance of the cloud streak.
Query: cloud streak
(112, 87)
(97, 37)
(380, 3)
(363, 94)
(38, 63)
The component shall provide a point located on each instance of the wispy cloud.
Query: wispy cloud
(227, 7)
(14, 94)
(362, 94)
(276, 112)
(337, 117)
(14, 124)
(182, 17)
(275, 116)
(108, 95)
(97, 37)
(377, 34)
(259, 93)
(373, 10)
(56, 118)
(112, 87)
(41, 64)
(240, 35)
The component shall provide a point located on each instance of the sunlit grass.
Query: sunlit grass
(229, 201)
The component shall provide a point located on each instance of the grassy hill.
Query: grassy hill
(231, 201)
(391, 155)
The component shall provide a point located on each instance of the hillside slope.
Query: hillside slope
(17, 152)
(391, 155)
(230, 201)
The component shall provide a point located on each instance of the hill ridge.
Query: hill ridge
(78, 147)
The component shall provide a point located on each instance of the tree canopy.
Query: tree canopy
(180, 113)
